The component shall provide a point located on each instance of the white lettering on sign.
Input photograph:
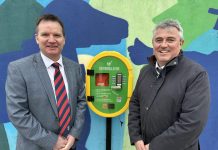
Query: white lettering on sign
(110, 68)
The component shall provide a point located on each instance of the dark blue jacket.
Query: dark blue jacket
(169, 111)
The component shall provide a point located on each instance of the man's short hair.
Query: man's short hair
(49, 17)
(170, 23)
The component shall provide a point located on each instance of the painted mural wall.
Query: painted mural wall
(125, 26)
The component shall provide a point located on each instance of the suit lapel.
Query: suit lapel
(44, 77)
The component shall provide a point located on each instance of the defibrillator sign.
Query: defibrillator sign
(109, 84)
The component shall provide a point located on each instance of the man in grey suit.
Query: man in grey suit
(32, 87)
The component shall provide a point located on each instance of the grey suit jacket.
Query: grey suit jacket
(31, 102)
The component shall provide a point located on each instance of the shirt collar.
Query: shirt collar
(157, 66)
(48, 62)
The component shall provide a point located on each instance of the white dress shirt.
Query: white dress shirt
(160, 68)
(51, 71)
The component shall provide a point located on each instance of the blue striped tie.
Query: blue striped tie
(63, 105)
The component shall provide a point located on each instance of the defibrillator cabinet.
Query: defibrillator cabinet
(109, 84)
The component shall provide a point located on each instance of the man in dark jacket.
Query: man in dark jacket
(169, 106)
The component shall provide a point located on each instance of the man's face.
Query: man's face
(166, 44)
(50, 39)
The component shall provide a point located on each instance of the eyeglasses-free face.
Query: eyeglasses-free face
(50, 39)
(166, 44)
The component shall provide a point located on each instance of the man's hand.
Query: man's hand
(61, 143)
(147, 147)
(139, 145)
(70, 142)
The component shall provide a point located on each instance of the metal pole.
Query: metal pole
(108, 133)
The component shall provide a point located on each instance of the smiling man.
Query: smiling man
(46, 93)
(169, 106)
